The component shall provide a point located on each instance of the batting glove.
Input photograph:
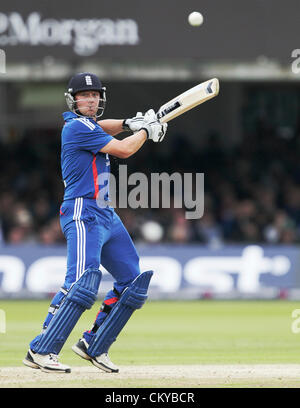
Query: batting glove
(156, 131)
(134, 124)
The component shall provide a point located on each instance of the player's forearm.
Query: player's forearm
(133, 143)
(112, 126)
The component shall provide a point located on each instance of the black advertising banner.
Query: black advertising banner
(137, 29)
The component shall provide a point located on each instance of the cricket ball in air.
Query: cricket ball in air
(195, 19)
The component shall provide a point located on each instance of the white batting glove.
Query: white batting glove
(134, 124)
(150, 116)
(155, 130)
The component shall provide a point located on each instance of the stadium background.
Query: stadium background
(246, 141)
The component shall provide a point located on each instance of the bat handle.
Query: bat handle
(160, 118)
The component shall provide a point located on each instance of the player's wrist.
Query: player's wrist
(125, 125)
(146, 130)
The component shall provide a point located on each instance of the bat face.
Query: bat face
(188, 100)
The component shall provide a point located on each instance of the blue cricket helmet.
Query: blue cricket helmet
(85, 81)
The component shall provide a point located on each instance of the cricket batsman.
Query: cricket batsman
(94, 232)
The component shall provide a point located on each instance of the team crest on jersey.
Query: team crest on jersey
(88, 80)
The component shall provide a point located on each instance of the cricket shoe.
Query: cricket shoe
(103, 361)
(48, 363)
(80, 348)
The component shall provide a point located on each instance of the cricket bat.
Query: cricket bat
(188, 100)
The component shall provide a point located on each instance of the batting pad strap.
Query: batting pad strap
(63, 290)
(52, 309)
(132, 298)
(81, 296)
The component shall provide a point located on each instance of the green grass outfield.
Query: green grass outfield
(170, 332)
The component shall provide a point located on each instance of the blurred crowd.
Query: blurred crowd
(252, 189)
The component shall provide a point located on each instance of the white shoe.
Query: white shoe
(48, 363)
(103, 362)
